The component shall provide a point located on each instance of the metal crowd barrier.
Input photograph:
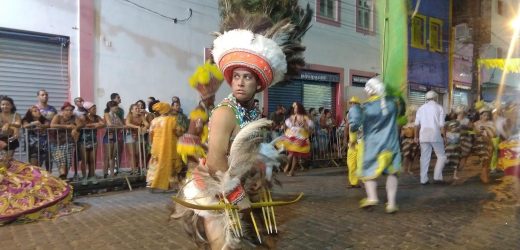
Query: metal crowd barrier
(328, 145)
(122, 136)
(45, 147)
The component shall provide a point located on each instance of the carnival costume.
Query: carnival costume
(352, 152)
(270, 49)
(453, 144)
(509, 147)
(191, 146)
(466, 135)
(509, 156)
(485, 135)
(29, 193)
(162, 170)
(379, 151)
(296, 137)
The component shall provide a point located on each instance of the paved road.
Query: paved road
(467, 215)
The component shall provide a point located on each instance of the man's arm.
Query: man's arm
(221, 127)
(417, 126)
(442, 116)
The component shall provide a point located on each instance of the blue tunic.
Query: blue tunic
(379, 147)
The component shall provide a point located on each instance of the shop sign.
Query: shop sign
(318, 76)
(359, 81)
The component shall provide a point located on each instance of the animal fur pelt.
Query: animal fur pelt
(247, 152)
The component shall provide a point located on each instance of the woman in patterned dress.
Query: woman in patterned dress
(466, 136)
(296, 137)
(452, 146)
(483, 146)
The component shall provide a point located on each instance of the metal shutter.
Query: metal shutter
(416, 98)
(29, 62)
(285, 93)
(28, 65)
(319, 94)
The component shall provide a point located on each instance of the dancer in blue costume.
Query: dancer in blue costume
(379, 151)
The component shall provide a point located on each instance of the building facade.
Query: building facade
(95, 48)
(342, 54)
(483, 30)
(111, 47)
(428, 56)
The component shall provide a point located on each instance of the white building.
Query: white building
(92, 48)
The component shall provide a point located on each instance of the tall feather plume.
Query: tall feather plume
(284, 21)
(244, 149)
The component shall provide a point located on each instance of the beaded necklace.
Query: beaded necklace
(243, 115)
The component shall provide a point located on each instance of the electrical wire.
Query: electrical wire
(174, 19)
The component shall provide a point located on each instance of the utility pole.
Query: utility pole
(475, 82)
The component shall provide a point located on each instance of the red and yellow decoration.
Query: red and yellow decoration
(509, 157)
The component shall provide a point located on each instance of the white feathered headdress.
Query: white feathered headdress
(262, 36)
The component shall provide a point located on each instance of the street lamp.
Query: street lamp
(515, 23)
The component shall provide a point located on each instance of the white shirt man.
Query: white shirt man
(430, 120)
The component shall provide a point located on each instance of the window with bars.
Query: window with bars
(418, 36)
(365, 16)
(435, 35)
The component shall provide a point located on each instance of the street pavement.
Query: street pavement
(461, 215)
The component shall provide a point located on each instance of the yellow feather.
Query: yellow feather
(204, 73)
(204, 77)
(216, 72)
(204, 135)
(198, 114)
(193, 81)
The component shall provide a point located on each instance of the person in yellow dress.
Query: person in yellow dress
(162, 172)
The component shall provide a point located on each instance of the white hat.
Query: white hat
(242, 48)
(431, 95)
(375, 86)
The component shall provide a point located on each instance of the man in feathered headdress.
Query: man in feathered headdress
(253, 52)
